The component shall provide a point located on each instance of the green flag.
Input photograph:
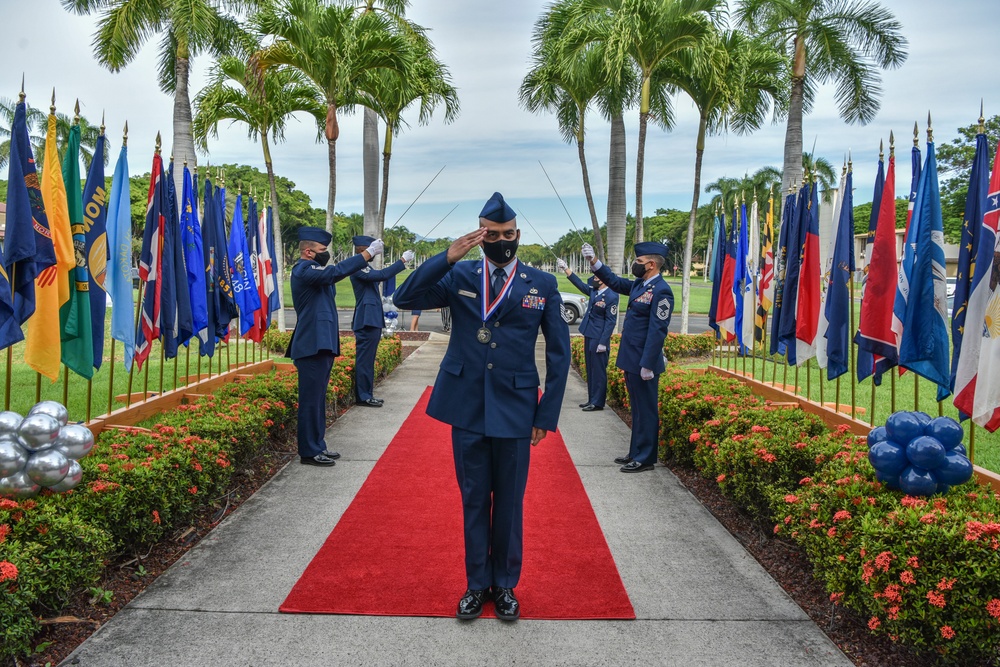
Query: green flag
(74, 315)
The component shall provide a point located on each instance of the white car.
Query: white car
(574, 306)
(950, 283)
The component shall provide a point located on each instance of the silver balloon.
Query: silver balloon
(18, 485)
(75, 441)
(12, 456)
(71, 479)
(9, 421)
(47, 467)
(53, 409)
(38, 431)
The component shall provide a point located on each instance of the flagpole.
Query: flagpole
(10, 348)
(187, 365)
(111, 377)
(131, 371)
(38, 386)
(65, 395)
(163, 362)
(972, 441)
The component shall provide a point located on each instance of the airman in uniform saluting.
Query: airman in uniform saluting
(597, 325)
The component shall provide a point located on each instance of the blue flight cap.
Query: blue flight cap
(363, 241)
(316, 234)
(651, 248)
(497, 210)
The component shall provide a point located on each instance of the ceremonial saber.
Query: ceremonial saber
(560, 201)
(440, 221)
(415, 200)
(537, 234)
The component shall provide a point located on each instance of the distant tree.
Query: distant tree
(955, 167)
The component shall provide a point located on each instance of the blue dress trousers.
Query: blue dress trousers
(368, 323)
(596, 327)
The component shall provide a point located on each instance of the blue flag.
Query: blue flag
(95, 229)
(718, 254)
(10, 330)
(28, 248)
(274, 299)
(194, 259)
(905, 275)
(182, 327)
(838, 296)
(227, 310)
(244, 285)
(119, 274)
(780, 266)
(793, 263)
(154, 267)
(742, 280)
(924, 346)
(209, 266)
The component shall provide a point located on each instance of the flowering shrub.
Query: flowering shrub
(140, 484)
(923, 572)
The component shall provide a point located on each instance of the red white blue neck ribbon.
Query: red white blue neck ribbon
(490, 307)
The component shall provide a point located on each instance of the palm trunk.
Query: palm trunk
(689, 241)
(792, 170)
(369, 158)
(616, 195)
(279, 248)
(598, 240)
(331, 200)
(640, 156)
(183, 148)
(386, 156)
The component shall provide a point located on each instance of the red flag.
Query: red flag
(725, 309)
(807, 307)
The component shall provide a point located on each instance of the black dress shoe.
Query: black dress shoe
(506, 604)
(592, 408)
(471, 604)
(318, 460)
(622, 460)
(371, 403)
(635, 466)
(583, 405)
(331, 455)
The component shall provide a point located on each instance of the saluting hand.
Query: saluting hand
(536, 435)
(463, 244)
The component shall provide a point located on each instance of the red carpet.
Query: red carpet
(398, 549)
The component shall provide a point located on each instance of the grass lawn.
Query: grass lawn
(808, 381)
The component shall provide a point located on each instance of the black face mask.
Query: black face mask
(500, 252)
(322, 257)
(638, 269)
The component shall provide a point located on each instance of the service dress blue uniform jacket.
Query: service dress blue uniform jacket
(601, 316)
(492, 388)
(315, 299)
(368, 302)
(646, 320)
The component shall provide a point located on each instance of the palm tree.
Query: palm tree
(824, 172)
(263, 103)
(389, 94)
(189, 28)
(844, 42)
(733, 81)
(758, 184)
(334, 48)
(35, 119)
(643, 34)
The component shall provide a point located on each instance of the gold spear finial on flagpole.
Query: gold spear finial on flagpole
(102, 124)
(52, 108)
(892, 142)
(982, 121)
(930, 130)
(850, 165)
(20, 96)
(159, 143)
(76, 112)
(916, 135)
(125, 135)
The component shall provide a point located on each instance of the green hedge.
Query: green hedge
(924, 572)
(140, 485)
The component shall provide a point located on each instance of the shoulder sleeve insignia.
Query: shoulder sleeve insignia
(317, 267)
(663, 309)
(366, 269)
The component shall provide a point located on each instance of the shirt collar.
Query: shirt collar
(647, 282)
(507, 270)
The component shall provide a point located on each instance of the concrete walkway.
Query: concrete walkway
(699, 597)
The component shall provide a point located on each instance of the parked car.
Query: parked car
(950, 283)
(574, 306)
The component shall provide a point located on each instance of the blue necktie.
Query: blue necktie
(499, 278)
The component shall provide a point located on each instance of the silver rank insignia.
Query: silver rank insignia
(614, 309)
(663, 309)
(533, 290)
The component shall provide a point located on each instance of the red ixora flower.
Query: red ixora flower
(8, 571)
(842, 515)
(721, 478)
(193, 490)
(906, 576)
(4, 530)
(874, 623)
(936, 599)
(156, 517)
(993, 608)
(6, 504)
(947, 632)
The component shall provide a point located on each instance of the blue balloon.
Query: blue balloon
(877, 434)
(888, 457)
(903, 427)
(926, 452)
(960, 449)
(891, 481)
(947, 431)
(923, 418)
(918, 482)
(943, 488)
(392, 314)
(956, 470)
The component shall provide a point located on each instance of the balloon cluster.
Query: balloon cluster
(919, 455)
(391, 316)
(41, 450)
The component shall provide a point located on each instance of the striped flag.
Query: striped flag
(790, 292)
(752, 279)
(822, 358)
(765, 289)
(152, 265)
(865, 361)
(780, 265)
(807, 307)
(905, 275)
(975, 264)
(725, 309)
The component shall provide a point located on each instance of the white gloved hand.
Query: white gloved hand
(561, 265)
(602, 348)
(376, 247)
(588, 252)
(407, 256)
(645, 374)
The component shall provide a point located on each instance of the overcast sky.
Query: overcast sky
(494, 144)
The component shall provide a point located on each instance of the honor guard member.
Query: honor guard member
(487, 389)
(596, 327)
(640, 353)
(369, 320)
(316, 338)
